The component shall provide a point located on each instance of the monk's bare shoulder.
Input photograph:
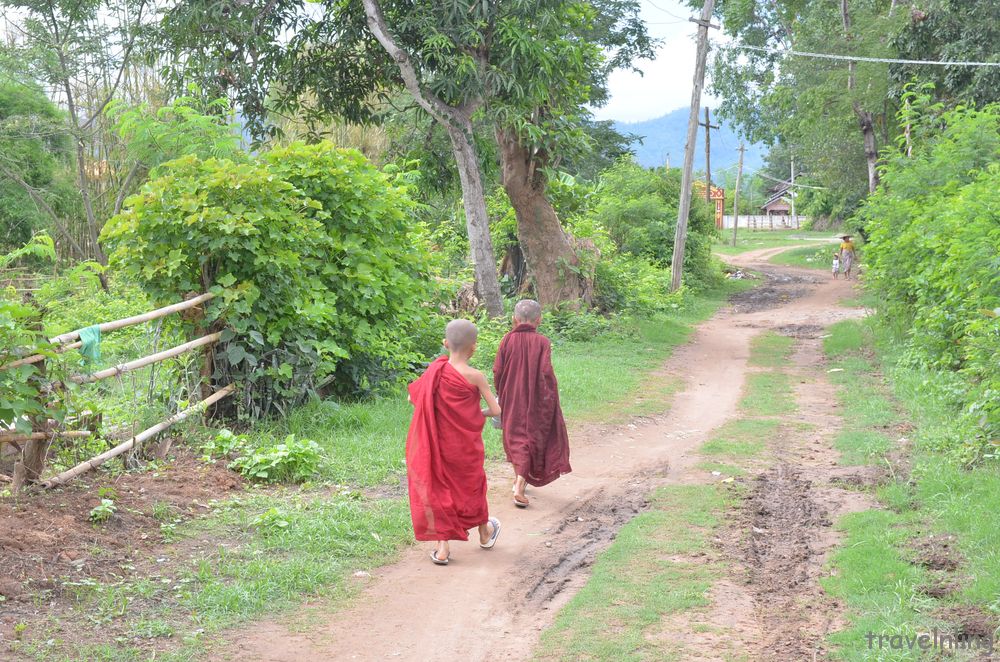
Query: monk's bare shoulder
(473, 376)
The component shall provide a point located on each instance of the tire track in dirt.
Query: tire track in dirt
(493, 605)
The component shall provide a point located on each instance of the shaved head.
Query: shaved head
(528, 310)
(461, 335)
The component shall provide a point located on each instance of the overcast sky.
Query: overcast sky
(666, 83)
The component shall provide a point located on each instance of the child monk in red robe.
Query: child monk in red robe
(444, 447)
(534, 433)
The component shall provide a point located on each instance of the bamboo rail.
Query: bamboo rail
(146, 360)
(40, 436)
(35, 358)
(138, 319)
(95, 462)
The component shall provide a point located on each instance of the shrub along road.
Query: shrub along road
(495, 605)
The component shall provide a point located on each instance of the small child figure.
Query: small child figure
(836, 264)
(444, 447)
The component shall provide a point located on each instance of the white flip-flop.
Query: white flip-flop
(436, 560)
(496, 534)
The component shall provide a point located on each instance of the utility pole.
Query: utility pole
(708, 155)
(684, 206)
(791, 195)
(736, 195)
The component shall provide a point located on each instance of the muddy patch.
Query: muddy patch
(784, 527)
(580, 537)
(970, 622)
(778, 289)
(801, 330)
(937, 552)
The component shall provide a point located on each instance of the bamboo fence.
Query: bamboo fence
(30, 468)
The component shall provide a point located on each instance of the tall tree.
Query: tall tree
(80, 51)
(498, 61)
(835, 114)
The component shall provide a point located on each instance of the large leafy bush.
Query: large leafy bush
(934, 253)
(320, 277)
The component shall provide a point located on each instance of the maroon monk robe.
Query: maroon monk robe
(534, 433)
(445, 455)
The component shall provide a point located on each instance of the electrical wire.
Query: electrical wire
(859, 58)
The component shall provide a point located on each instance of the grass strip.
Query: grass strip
(768, 394)
(741, 439)
(640, 579)
(771, 350)
(881, 571)
(749, 241)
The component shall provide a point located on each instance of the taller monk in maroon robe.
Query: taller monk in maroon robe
(444, 448)
(534, 432)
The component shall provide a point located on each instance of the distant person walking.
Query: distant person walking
(534, 433)
(847, 255)
(836, 264)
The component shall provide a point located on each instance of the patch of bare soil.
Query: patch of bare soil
(801, 330)
(46, 537)
(937, 552)
(781, 520)
(969, 621)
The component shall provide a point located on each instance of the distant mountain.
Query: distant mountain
(665, 136)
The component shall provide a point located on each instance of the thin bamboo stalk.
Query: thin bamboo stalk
(35, 358)
(39, 436)
(124, 447)
(146, 360)
(138, 319)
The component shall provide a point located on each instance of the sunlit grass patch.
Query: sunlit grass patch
(768, 394)
(640, 579)
(742, 438)
(747, 240)
(770, 350)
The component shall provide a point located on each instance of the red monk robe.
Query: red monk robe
(445, 455)
(534, 433)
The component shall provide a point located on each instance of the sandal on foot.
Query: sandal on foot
(519, 503)
(436, 560)
(496, 534)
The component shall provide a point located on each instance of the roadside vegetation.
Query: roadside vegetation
(925, 559)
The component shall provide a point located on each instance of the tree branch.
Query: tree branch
(40, 201)
(434, 106)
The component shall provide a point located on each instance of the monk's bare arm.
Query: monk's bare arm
(493, 407)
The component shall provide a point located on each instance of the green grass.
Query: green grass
(819, 256)
(771, 350)
(639, 579)
(727, 469)
(742, 438)
(873, 571)
(749, 241)
(768, 394)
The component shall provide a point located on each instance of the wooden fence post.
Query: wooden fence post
(31, 466)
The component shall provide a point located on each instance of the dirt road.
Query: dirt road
(492, 605)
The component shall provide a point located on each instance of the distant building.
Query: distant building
(780, 204)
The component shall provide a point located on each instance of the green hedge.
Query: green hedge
(934, 256)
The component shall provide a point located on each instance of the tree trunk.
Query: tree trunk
(867, 124)
(457, 121)
(477, 221)
(865, 118)
(552, 262)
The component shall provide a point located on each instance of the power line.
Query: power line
(858, 58)
(680, 19)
